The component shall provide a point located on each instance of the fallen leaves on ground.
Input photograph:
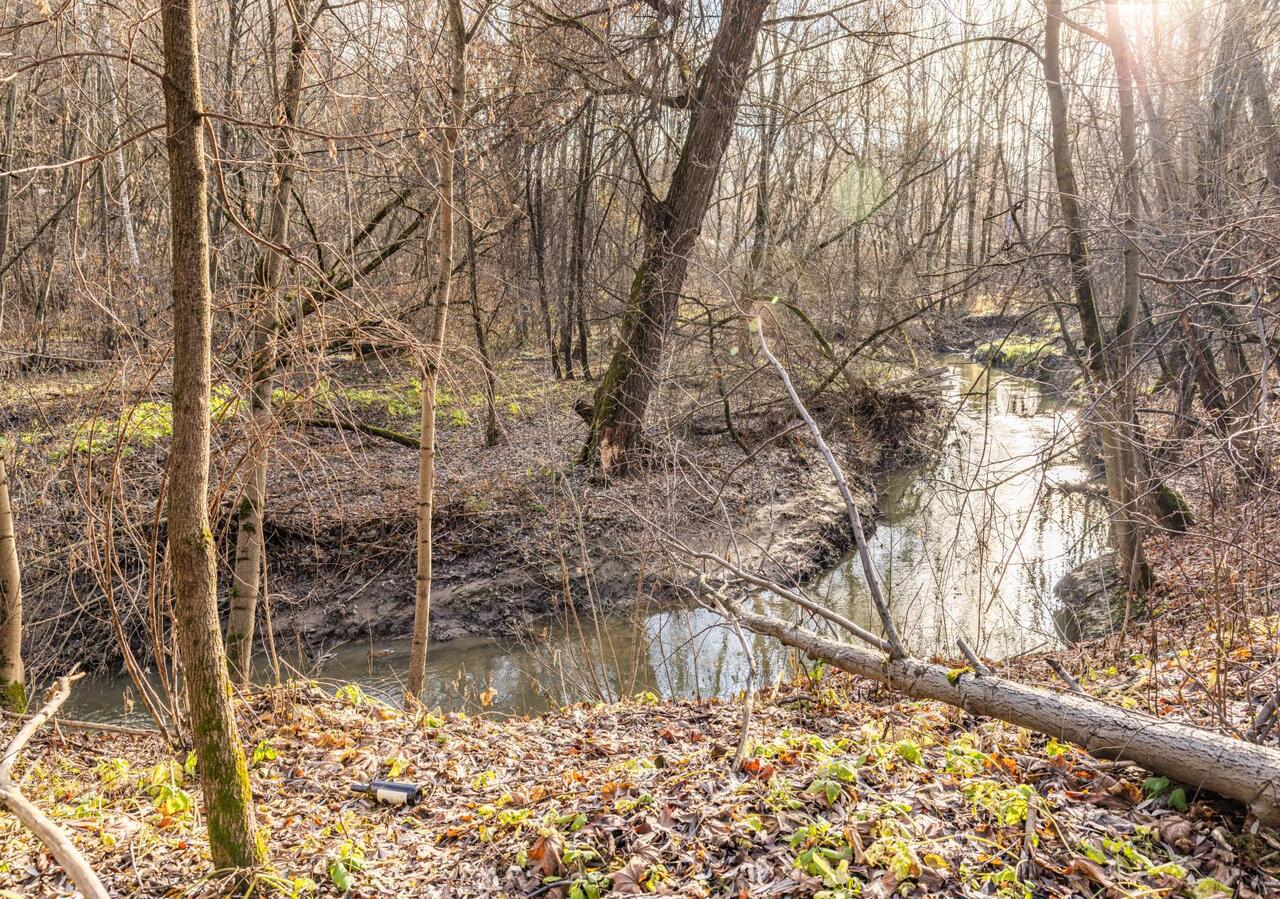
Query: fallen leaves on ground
(845, 791)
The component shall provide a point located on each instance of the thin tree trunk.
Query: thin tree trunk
(1264, 119)
(538, 249)
(117, 157)
(492, 425)
(233, 837)
(1130, 487)
(13, 696)
(578, 257)
(249, 552)
(6, 163)
(1099, 362)
(449, 131)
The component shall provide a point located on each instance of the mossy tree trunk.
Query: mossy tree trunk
(13, 695)
(233, 837)
(249, 553)
(672, 226)
(455, 108)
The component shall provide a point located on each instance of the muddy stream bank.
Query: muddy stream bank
(970, 544)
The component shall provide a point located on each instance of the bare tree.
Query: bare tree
(249, 552)
(1107, 362)
(454, 110)
(672, 225)
(233, 835)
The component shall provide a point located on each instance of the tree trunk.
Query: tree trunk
(1199, 758)
(492, 424)
(233, 837)
(249, 552)
(1129, 487)
(538, 249)
(452, 125)
(13, 696)
(1264, 119)
(6, 185)
(117, 156)
(1241, 386)
(672, 227)
(1099, 363)
(578, 254)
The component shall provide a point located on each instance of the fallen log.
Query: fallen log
(360, 427)
(1200, 758)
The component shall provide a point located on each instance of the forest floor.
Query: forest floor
(518, 526)
(847, 789)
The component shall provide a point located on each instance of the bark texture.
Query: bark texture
(233, 837)
(1105, 362)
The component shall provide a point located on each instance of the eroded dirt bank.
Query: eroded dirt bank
(519, 528)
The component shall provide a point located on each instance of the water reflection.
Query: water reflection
(974, 546)
(970, 546)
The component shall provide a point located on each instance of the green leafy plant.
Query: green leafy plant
(343, 866)
(264, 752)
(1006, 804)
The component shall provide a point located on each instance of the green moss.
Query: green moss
(1173, 509)
(623, 362)
(13, 697)
(1020, 355)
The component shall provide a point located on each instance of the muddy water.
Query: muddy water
(969, 546)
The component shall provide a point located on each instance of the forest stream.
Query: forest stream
(969, 545)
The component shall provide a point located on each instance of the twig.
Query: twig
(74, 724)
(969, 654)
(1027, 864)
(896, 650)
(1265, 719)
(748, 697)
(29, 814)
(1066, 676)
(791, 595)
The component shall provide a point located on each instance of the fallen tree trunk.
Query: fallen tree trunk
(1192, 755)
(360, 427)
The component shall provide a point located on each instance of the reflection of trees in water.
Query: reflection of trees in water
(1021, 400)
(975, 546)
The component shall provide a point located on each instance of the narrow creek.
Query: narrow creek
(969, 545)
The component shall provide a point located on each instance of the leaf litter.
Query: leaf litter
(846, 790)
